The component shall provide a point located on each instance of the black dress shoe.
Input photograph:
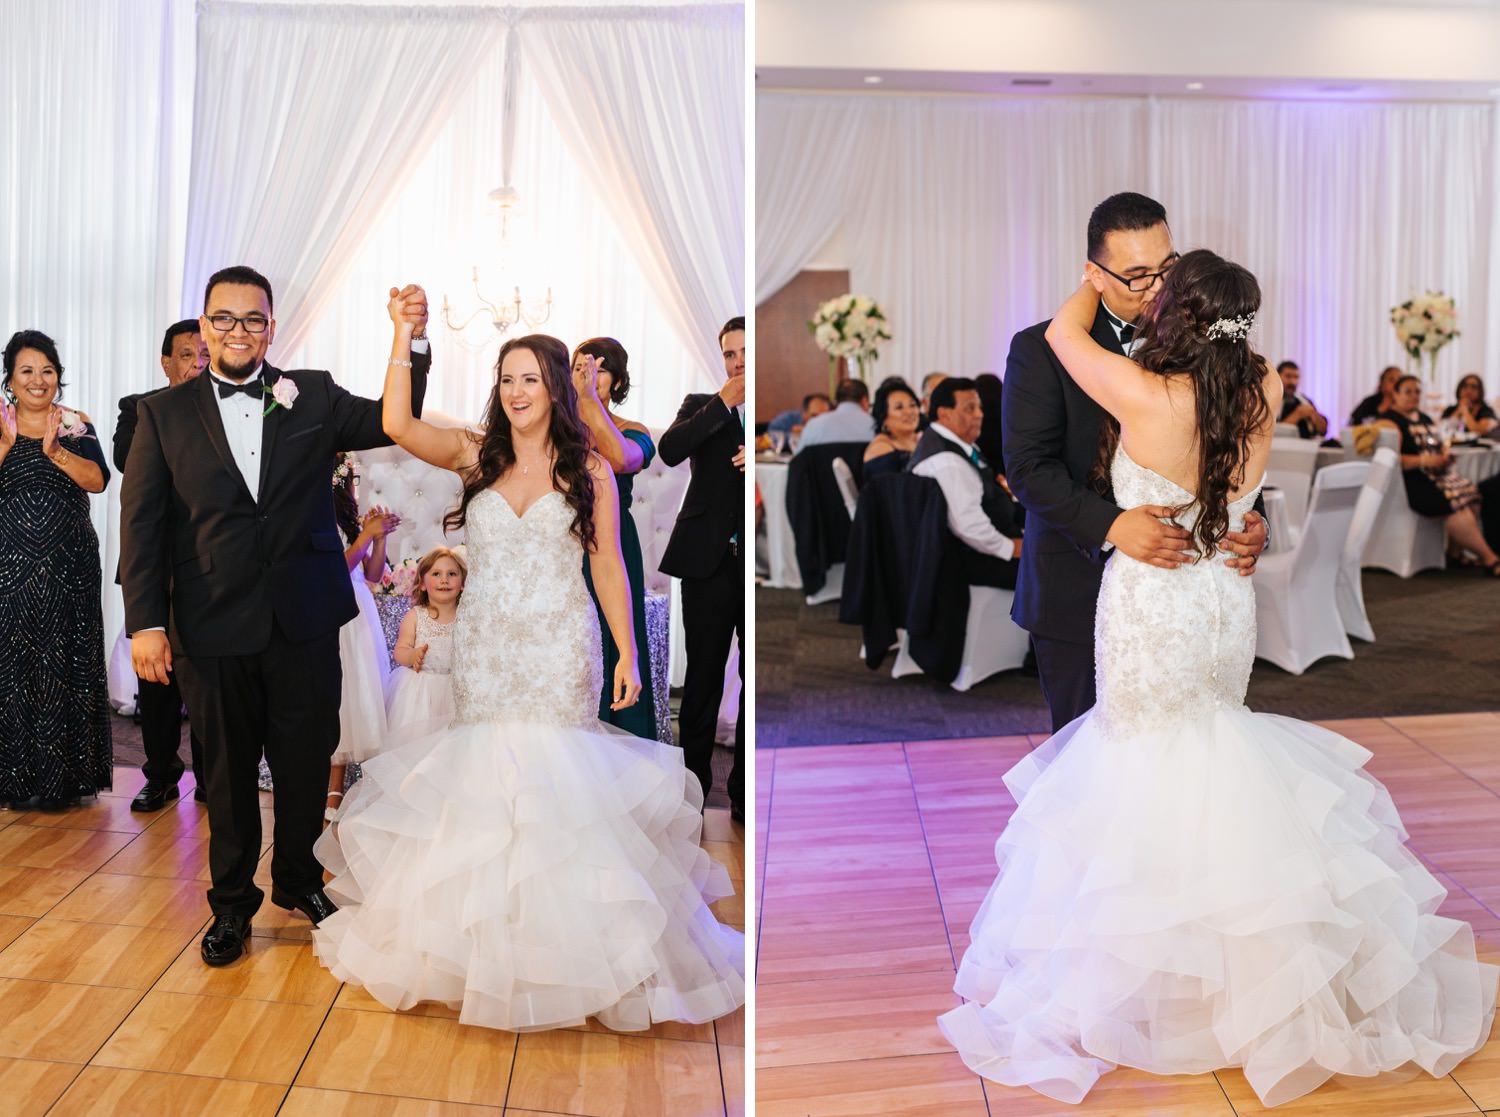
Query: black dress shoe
(154, 796)
(199, 795)
(737, 813)
(315, 905)
(225, 940)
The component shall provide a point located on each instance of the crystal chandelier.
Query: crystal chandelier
(502, 315)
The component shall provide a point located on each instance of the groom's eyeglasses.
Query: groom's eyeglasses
(225, 322)
(1139, 283)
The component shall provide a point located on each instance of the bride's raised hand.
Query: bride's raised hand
(627, 684)
(401, 312)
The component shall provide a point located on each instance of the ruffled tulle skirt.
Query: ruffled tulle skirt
(418, 698)
(1229, 892)
(531, 876)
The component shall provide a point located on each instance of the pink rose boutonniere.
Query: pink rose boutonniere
(283, 393)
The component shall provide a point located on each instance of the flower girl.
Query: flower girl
(421, 687)
(362, 650)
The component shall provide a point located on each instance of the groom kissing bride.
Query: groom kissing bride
(1052, 432)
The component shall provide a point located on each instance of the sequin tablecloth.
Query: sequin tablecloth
(658, 635)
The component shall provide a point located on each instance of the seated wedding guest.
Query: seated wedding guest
(929, 382)
(1369, 408)
(895, 415)
(1297, 408)
(1433, 486)
(184, 355)
(55, 736)
(365, 663)
(793, 420)
(601, 376)
(980, 513)
(849, 421)
(989, 441)
(1477, 416)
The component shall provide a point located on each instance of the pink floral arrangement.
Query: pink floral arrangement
(400, 580)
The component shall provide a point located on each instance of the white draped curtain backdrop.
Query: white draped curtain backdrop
(340, 148)
(965, 217)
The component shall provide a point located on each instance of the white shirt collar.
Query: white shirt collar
(951, 437)
(225, 380)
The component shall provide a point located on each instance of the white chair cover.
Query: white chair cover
(1296, 613)
(1290, 469)
(992, 641)
(1349, 587)
(1403, 542)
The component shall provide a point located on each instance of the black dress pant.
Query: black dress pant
(283, 701)
(1067, 676)
(160, 709)
(713, 612)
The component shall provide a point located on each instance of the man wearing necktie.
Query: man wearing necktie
(980, 513)
(1054, 435)
(234, 577)
(706, 553)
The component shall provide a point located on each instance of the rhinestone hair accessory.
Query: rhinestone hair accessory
(1236, 329)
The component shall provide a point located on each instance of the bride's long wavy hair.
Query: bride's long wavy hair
(565, 431)
(1201, 289)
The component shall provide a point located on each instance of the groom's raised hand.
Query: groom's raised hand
(1140, 533)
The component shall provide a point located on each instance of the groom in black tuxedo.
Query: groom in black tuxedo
(706, 552)
(1052, 433)
(230, 546)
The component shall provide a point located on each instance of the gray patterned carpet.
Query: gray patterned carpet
(1437, 651)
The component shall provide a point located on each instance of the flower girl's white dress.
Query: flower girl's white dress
(529, 865)
(424, 698)
(1186, 885)
(366, 664)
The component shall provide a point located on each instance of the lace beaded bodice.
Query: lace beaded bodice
(439, 640)
(526, 641)
(1170, 644)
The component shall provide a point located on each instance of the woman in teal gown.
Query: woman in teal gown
(628, 448)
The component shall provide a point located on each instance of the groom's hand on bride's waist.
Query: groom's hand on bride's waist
(1246, 545)
(1140, 533)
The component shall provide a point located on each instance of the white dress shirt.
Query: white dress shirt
(964, 492)
(243, 427)
(848, 422)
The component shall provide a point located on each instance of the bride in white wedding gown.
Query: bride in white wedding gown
(529, 865)
(1185, 885)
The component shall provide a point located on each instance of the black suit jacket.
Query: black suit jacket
(707, 432)
(213, 565)
(1051, 436)
(125, 424)
(816, 509)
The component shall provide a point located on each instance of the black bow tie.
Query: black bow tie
(1127, 333)
(252, 388)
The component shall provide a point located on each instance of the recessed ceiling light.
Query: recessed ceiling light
(873, 79)
(1036, 82)
(1195, 85)
(1343, 87)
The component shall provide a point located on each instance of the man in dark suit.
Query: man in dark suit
(230, 544)
(184, 356)
(705, 552)
(981, 514)
(1052, 436)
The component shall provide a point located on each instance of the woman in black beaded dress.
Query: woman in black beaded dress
(54, 700)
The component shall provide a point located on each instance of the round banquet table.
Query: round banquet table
(781, 545)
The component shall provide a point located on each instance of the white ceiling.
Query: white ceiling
(1301, 49)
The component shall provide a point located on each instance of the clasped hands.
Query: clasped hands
(409, 306)
(1141, 533)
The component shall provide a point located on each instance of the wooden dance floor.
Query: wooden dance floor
(105, 1006)
(874, 859)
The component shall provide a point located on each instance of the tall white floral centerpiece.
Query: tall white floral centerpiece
(1424, 324)
(850, 326)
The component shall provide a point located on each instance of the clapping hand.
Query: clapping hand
(7, 426)
(408, 307)
(739, 458)
(586, 377)
(49, 435)
(419, 656)
(380, 522)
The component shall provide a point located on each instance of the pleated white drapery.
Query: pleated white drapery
(966, 217)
